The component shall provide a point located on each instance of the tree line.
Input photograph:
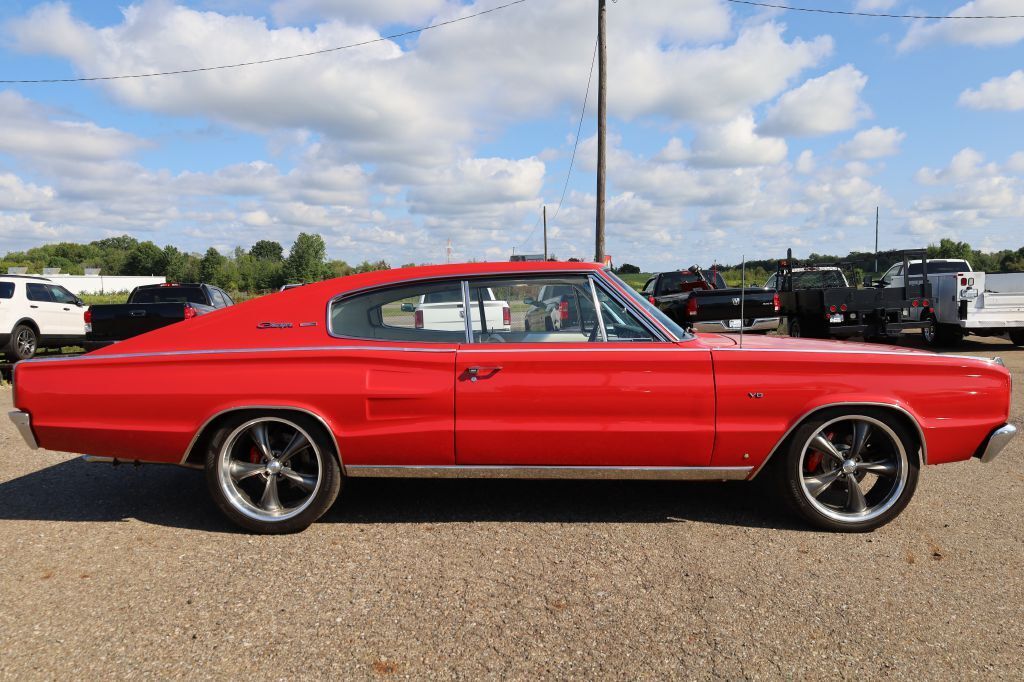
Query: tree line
(263, 267)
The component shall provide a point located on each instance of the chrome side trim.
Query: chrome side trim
(798, 422)
(286, 408)
(23, 422)
(597, 310)
(999, 439)
(213, 351)
(854, 351)
(467, 311)
(553, 472)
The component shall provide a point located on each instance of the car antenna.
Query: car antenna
(743, 294)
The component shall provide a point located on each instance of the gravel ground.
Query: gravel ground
(131, 572)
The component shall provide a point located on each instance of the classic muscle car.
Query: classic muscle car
(281, 398)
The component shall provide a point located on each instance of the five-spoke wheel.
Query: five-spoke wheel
(850, 471)
(272, 474)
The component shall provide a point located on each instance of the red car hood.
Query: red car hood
(766, 342)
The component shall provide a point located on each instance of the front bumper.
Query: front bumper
(760, 324)
(997, 440)
(23, 421)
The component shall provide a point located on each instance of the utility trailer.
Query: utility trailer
(873, 312)
(980, 303)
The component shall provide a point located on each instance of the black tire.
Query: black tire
(1017, 337)
(949, 335)
(23, 344)
(232, 494)
(833, 508)
(549, 325)
(526, 325)
(930, 335)
(803, 329)
(796, 330)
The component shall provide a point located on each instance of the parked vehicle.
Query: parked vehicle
(36, 313)
(150, 307)
(558, 307)
(876, 312)
(701, 300)
(966, 302)
(277, 407)
(443, 311)
(811, 277)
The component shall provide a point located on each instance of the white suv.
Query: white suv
(36, 313)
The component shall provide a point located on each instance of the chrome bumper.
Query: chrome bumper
(997, 441)
(24, 424)
(760, 324)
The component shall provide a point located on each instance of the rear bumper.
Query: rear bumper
(24, 424)
(995, 443)
(761, 324)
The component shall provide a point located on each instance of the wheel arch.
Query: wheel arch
(898, 411)
(193, 455)
(28, 321)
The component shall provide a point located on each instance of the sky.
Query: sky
(733, 131)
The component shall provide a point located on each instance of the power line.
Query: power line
(575, 144)
(265, 61)
(770, 5)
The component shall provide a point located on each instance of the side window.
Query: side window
(534, 310)
(421, 312)
(61, 295)
(228, 301)
(649, 287)
(770, 284)
(216, 298)
(620, 323)
(6, 289)
(37, 292)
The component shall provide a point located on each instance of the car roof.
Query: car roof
(37, 277)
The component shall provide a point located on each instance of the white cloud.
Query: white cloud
(975, 32)
(875, 5)
(873, 143)
(736, 144)
(1006, 94)
(805, 163)
(823, 105)
(360, 11)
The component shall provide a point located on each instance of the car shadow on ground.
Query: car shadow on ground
(176, 497)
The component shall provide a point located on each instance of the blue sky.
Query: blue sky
(733, 131)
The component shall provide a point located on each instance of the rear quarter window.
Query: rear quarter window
(6, 289)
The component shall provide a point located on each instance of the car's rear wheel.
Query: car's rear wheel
(850, 471)
(23, 344)
(272, 473)
(1017, 337)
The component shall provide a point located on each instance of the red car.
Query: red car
(280, 398)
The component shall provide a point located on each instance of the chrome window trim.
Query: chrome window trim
(291, 408)
(235, 351)
(660, 336)
(597, 310)
(550, 472)
(466, 311)
(652, 323)
(798, 422)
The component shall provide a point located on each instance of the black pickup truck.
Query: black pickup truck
(150, 307)
(701, 300)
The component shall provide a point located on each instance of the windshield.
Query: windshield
(818, 279)
(643, 303)
(169, 295)
(941, 267)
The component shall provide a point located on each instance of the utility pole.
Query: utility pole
(876, 240)
(545, 209)
(602, 115)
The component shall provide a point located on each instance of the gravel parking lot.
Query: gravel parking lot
(132, 572)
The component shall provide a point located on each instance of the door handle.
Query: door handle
(67, 309)
(474, 373)
(33, 306)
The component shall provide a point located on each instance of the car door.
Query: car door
(70, 315)
(609, 391)
(43, 310)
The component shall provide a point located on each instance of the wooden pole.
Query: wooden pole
(602, 114)
(545, 209)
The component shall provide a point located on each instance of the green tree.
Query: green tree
(628, 269)
(266, 249)
(146, 259)
(948, 248)
(210, 265)
(307, 260)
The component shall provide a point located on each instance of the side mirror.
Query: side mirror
(529, 301)
(408, 308)
(79, 302)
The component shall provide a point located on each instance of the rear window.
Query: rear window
(939, 268)
(6, 289)
(674, 281)
(170, 295)
(455, 296)
(818, 279)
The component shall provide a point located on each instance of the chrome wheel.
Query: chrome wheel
(853, 469)
(25, 343)
(269, 469)
(929, 333)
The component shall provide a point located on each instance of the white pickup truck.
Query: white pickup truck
(967, 302)
(442, 311)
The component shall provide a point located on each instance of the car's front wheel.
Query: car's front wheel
(849, 471)
(1017, 337)
(272, 473)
